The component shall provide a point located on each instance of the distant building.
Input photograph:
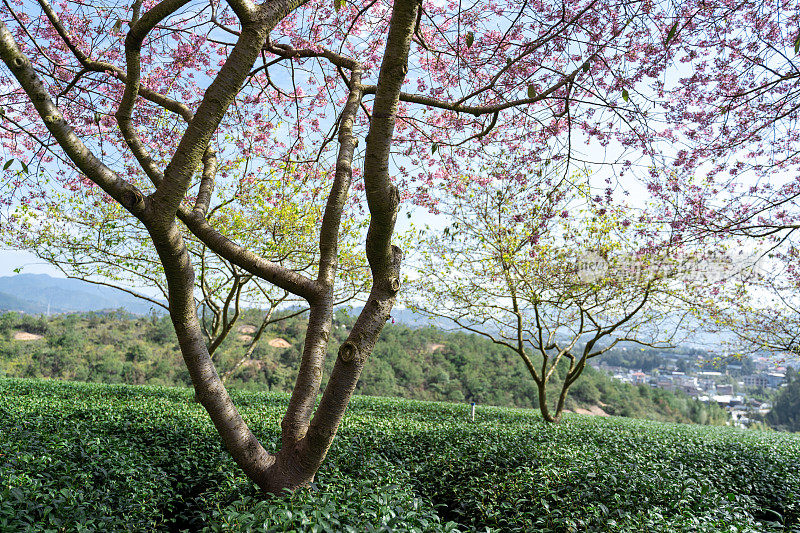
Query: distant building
(775, 379)
(682, 380)
(727, 400)
(691, 390)
(771, 380)
(665, 382)
(756, 380)
(724, 389)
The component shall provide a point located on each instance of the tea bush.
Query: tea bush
(80, 457)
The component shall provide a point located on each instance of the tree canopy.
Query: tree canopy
(540, 268)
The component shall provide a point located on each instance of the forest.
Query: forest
(415, 363)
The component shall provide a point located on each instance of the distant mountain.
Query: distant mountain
(12, 303)
(410, 318)
(701, 340)
(40, 293)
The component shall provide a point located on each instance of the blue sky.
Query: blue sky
(11, 259)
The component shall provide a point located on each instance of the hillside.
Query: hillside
(40, 293)
(9, 302)
(421, 363)
(120, 458)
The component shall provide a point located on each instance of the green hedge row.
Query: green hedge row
(78, 457)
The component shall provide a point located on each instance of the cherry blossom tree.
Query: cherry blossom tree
(159, 103)
(539, 267)
(731, 127)
(733, 115)
(757, 309)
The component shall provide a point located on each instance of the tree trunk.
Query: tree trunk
(305, 442)
(543, 407)
(209, 389)
(561, 401)
(290, 467)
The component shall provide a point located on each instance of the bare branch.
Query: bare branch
(207, 181)
(329, 232)
(478, 110)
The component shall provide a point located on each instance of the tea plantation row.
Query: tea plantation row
(78, 457)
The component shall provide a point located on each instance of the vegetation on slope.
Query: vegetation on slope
(111, 458)
(421, 363)
(786, 412)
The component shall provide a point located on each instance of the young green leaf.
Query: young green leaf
(625, 95)
(470, 39)
(338, 4)
(531, 91)
(797, 45)
(8, 164)
(434, 147)
(671, 33)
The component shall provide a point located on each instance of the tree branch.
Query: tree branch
(384, 259)
(206, 182)
(478, 110)
(275, 273)
(20, 66)
(216, 100)
(133, 45)
(329, 232)
(244, 9)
